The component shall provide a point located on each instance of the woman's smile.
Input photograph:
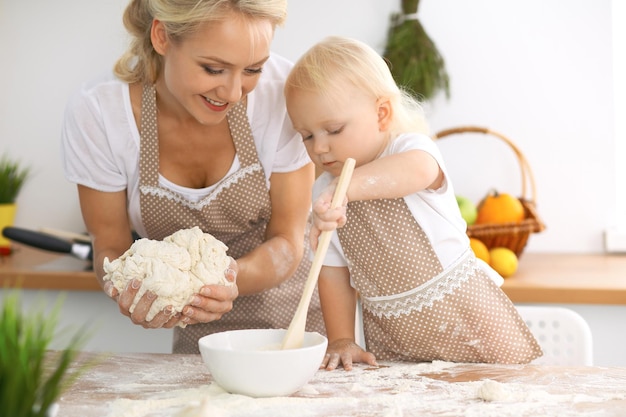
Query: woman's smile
(215, 105)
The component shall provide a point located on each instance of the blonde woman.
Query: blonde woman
(192, 130)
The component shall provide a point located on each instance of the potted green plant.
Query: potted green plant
(32, 376)
(13, 175)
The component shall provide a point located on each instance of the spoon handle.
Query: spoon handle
(295, 333)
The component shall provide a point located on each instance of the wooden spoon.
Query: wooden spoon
(295, 333)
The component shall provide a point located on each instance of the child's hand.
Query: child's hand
(344, 352)
(323, 217)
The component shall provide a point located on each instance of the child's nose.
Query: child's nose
(321, 144)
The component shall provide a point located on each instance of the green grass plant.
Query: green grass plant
(32, 377)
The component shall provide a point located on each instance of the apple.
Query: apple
(468, 209)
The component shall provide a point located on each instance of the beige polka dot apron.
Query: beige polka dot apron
(412, 308)
(236, 212)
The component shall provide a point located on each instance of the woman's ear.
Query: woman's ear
(384, 113)
(158, 36)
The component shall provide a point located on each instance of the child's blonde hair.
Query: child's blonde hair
(335, 61)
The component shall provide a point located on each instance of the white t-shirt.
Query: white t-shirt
(100, 138)
(436, 211)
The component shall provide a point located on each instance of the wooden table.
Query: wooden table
(142, 385)
(541, 277)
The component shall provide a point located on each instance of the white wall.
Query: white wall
(537, 71)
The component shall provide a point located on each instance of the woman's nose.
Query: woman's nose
(232, 90)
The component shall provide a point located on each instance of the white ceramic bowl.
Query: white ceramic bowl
(251, 362)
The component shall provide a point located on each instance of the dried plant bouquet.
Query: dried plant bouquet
(415, 62)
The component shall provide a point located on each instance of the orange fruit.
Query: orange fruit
(499, 208)
(480, 249)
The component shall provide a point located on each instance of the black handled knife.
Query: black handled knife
(48, 242)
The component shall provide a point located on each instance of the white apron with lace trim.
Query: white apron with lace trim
(412, 308)
(236, 212)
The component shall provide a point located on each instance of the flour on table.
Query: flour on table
(174, 269)
(392, 390)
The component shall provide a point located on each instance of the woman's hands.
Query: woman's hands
(107, 222)
(213, 301)
(344, 352)
(210, 304)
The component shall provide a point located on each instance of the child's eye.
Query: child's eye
(306, 136)
(336, 131)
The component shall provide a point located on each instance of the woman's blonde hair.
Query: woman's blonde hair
(336, 61)
(141, 63)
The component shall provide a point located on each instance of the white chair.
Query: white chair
(563, 334)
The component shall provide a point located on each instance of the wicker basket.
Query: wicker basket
(509, 235)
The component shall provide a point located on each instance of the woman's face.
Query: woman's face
(348, 125)
(205, 74)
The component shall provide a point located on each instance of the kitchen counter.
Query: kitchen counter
(569, 279)
(541, 277)
(31, 268)
(154, 385)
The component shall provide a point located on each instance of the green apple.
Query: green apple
(468, 209)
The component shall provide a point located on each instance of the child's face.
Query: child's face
(347, 126)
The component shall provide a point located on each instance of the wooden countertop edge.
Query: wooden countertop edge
(36, 269)
(562, 295)
(50, 280)
(541, 278)
(569, 279)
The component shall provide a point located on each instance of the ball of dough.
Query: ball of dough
(174, 269)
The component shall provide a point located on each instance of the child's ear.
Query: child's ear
(384, 113)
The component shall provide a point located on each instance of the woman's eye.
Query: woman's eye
(212, 71)
(254, 71)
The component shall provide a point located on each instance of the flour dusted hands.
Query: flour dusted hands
(344, 352)
(325, 218)
(171, 273)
